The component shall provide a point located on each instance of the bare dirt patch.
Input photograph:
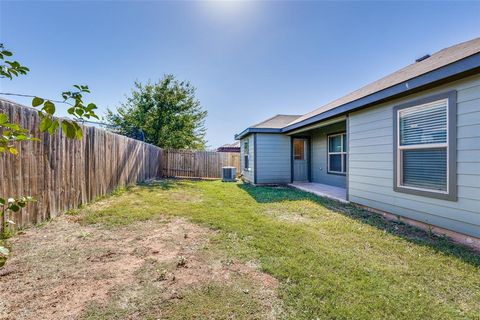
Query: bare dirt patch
(65, 270)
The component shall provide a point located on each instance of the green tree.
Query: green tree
(11, 134)
(166, 113)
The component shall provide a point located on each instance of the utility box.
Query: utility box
(229, 174)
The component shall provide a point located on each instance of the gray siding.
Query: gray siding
(319, 172)
(371, 163)
(248, 174)
(273, 158)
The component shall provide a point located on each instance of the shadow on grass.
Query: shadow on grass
(166, 184)
(413, 234)
(159, 184)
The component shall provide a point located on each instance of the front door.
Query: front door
(300, 159)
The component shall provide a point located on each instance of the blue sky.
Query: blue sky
(248, 60)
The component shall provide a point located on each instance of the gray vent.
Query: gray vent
(423, 58)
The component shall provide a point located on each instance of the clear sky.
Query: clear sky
(248, 60)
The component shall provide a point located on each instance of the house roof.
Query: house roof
(445, 65)
(271, 125)
(439, 59)
(278, 121)
(236, 144)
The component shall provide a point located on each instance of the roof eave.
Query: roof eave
(248, 131)
(461, 68)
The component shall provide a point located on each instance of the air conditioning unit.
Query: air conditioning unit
(229, 174)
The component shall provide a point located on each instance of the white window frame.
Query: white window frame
(423, 146)
(450, 99)
(246, 155)
(341, 153)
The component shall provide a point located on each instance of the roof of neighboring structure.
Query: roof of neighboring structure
(278, 121)
(445, 65)
(230, 147)
(435, 61)
(236, 144)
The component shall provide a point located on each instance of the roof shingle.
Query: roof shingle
(437, 60)
(276, 122)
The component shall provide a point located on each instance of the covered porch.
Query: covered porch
(320, 154)
(322, 190)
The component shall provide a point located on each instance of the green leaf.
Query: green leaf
(49, 107)
(91, 106)
(12, 126)
(68, 129)
(13, 64)
(13, 151)
(3, 118)
(78, 131)
(21, 137)
(7, 53)
(4, 251)
(14, 207)
(53, 127)
(45, 124)
(2, 201)
(37, 101)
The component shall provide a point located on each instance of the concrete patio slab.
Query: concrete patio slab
(322, 190)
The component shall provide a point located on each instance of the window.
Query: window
(425, 147)
(299, 149)
(337, 153)
(246, 155)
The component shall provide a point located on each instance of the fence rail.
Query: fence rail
(61, 174)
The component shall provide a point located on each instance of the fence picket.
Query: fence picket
(197, 164)
(62, 174)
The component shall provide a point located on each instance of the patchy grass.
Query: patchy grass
(267, 253)
(332, 260)
(3, 259)
(216, 301)
(116, 267)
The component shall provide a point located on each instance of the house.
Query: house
(407, 145)
(230, 147)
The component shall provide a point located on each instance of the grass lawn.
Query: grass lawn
(181, 249)
(332, 260)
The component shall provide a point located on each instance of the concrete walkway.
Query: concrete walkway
(322, 190)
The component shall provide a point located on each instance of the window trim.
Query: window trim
(341, 153)
(451, 145)
(246, 155)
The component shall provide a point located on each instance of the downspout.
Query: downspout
(348, 156)
(254, 158)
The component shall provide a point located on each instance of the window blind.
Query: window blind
(423, 146)
(424, 125)
(425, 168)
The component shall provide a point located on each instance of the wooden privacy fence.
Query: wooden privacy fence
(197, 164)
(62, 173)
